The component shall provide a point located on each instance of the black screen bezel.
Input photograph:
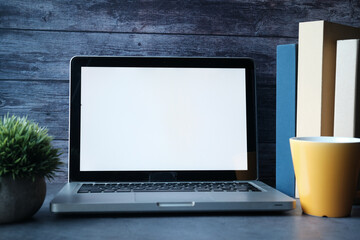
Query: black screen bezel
(136, 176)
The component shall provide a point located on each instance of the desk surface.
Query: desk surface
(289, 225)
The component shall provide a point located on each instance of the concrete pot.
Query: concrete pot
(21, 198)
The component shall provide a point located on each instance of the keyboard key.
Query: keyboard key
(95, 191)
(109, 191)
(123, 190)
(83, 191)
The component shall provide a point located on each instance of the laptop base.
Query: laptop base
(269, 199)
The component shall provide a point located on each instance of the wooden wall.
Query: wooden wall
(38, 38)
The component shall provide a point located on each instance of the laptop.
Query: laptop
(161, 134)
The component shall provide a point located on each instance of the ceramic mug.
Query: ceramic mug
(326, 171)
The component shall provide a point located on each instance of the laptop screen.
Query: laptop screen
(134, 117)
(149, 119)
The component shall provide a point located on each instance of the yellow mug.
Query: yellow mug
(326, 171)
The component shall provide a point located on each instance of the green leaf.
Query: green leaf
(25, 149)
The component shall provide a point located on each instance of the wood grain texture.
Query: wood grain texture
(46, 55)
(222, 17)
(267, 161)
(38, 38)
(44, 102)
(62, 174)
(266, 114)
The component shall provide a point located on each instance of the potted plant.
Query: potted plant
(26, 159)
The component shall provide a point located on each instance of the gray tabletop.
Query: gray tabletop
(289, 225)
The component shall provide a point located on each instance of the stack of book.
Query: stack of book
(318, 90)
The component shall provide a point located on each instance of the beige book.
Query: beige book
(347, 89)
(316, 76)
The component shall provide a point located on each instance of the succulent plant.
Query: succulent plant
(26, 150)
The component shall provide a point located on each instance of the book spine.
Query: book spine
(346, 89)
(286, 75)
(309, 85)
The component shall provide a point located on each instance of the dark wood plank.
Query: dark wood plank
(62, 175)
(45, 102)
(266, 113)
(42, 55)
(221, 17)
(267, 163)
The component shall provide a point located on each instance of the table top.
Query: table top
(288, 225)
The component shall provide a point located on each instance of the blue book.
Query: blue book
(286, 75)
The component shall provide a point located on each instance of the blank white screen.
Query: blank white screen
(146, 119)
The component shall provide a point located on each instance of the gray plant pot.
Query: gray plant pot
(21, 198)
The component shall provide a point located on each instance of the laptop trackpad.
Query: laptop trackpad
(168, 197)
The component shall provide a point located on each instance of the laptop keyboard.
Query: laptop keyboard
(168, 187)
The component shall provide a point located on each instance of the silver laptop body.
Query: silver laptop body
(159, 134)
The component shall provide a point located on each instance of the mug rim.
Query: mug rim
(326, 139)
